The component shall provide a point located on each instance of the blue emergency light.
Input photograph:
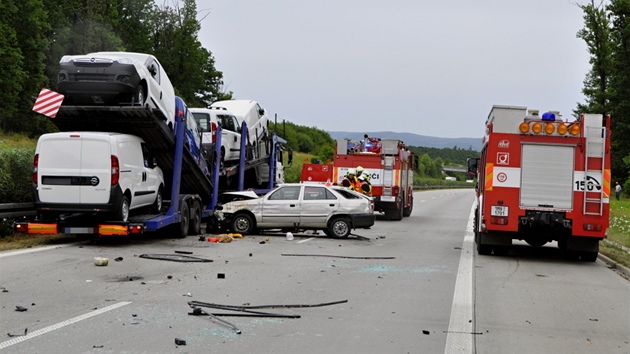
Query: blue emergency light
(549, 116)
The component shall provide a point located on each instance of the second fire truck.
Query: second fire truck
(542, 179)
(389, 163)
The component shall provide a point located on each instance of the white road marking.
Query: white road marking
(59, 325)
(460, 337)
(305, 240)
(36, 249)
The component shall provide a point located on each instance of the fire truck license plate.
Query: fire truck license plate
(499, 211)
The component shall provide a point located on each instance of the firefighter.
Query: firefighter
(365, 186)
(359, 171)
(350, 180)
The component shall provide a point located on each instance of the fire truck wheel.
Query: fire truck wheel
(242, 224)
(483, 249)
(501, 250)
(195, 219)
(588, 256)
(407, 211)
(339, 227)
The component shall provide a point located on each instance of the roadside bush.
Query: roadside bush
(15, 175)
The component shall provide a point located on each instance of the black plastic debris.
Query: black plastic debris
(18, 335)
(20, 308)
(118, 259)
(174, 258)
(332, 256)
(183, 252)
(425, 332)
(220, 275)
(180, 341)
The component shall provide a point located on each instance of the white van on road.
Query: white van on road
(95, 172)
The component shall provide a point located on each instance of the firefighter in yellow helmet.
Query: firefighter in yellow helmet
(350, 179)
(366, 186)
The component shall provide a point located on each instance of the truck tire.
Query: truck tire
(195, 219)
(339, 227)
(399, 212)
(407, 210)
(588, 256)
(242, 224)
(484, 249)
(181, 229)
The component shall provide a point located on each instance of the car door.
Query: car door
(316, 205)
(230, 136)
(281, 208)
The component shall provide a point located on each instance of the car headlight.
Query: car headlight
(65, 59)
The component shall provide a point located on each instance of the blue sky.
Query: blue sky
(425, 67)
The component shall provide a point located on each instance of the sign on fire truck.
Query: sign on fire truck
(542, 179)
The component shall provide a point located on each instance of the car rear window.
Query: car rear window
(347, 194)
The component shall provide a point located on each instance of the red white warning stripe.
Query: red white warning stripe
(48, 102)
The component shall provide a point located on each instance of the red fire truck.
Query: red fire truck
(542, 179)
(389, 163)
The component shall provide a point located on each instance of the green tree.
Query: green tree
(619, 12)
(596, 34)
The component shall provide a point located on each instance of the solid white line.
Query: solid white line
(36, 249)
(305, 240)
(459, 338)
(51, 328)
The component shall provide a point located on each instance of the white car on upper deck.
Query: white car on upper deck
(116, 78)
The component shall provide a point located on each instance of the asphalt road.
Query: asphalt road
(413, 286)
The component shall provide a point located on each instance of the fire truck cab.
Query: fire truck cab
(542, 179)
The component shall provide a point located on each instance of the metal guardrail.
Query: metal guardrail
(16, 210)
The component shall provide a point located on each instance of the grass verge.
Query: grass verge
(20, 241)
(617, 245)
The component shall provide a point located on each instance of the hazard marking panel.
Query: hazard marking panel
(48, 103)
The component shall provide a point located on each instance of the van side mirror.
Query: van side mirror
(473, 165)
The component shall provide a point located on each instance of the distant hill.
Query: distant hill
(415, 139)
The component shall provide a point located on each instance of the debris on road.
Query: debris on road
(118, 259)
(174, 258)
(180, 341)
(18, 335)
(183, 252)
(248, 311)
(220, 276)
(19, 308)
(333, 256)
(101, 261)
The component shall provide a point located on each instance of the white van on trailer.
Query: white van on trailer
(208, 119)
(94, 172)
(255, 118)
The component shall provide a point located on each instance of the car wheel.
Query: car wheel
(122, 214)
(195, 219)
(156, 208)
(140, 96)
(339, 227)
(242, 224)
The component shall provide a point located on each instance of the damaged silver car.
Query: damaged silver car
(296, 207)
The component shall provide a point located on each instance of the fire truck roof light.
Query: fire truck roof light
(524, 128)
(562, 129)
(537, 128)
(574, 130)
(549, 116)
